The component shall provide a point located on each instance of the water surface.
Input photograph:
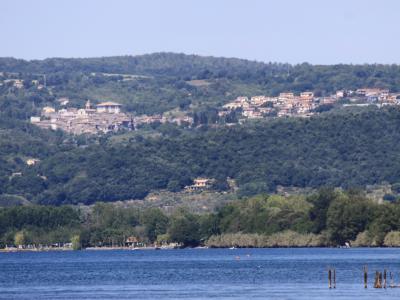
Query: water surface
(195, 274)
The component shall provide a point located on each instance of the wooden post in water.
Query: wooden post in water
(376, 283)
(365, 277)
(379, 280)
(334, 278)
(391, 280)
(376, 279)
(384, 278)
(330, 278)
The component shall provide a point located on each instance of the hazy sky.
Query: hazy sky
(315, 31)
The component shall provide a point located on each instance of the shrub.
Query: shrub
(76, 242)
(363, 239)
(392, 239)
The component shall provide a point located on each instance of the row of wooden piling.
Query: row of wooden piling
(380, 280)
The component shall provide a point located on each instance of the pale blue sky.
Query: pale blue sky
(294, 31)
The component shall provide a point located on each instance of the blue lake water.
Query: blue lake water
(195, 274)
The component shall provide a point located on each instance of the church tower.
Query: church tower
(88, 105)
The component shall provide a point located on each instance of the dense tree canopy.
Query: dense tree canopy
(292, 77)
(262, 220)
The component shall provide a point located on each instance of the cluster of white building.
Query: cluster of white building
(286, 104)
(304, 104)
(105, 117)
(160, 118)
(101, 118)
(374, 96)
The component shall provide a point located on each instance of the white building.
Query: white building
(109, 107)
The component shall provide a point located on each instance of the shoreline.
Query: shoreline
(10, 250)
(7, 250)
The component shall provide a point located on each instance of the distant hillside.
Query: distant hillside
(344, 148)
(156, 64)
(349, 149)
(275, 76)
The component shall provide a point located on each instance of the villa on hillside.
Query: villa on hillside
(200, 184)
(109, 107)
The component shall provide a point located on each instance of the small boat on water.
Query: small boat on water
(345, 246)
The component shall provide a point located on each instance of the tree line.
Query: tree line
(300, 77)
(325, 218)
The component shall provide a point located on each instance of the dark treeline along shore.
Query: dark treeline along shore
(325, 218)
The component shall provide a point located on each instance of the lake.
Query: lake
(195, 274)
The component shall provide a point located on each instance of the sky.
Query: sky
(293, 31)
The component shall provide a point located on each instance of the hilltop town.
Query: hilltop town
(108, 117)
(63, 110)
(102, 118)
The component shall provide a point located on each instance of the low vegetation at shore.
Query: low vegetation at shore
(326, 218)
(281, 239)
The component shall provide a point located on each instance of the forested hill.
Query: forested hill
(276, 76)
(337, 149)
(156, 64)
(349, 149)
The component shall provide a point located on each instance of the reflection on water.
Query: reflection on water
(195, 274)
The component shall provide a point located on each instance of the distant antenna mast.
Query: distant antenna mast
(44, 79)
